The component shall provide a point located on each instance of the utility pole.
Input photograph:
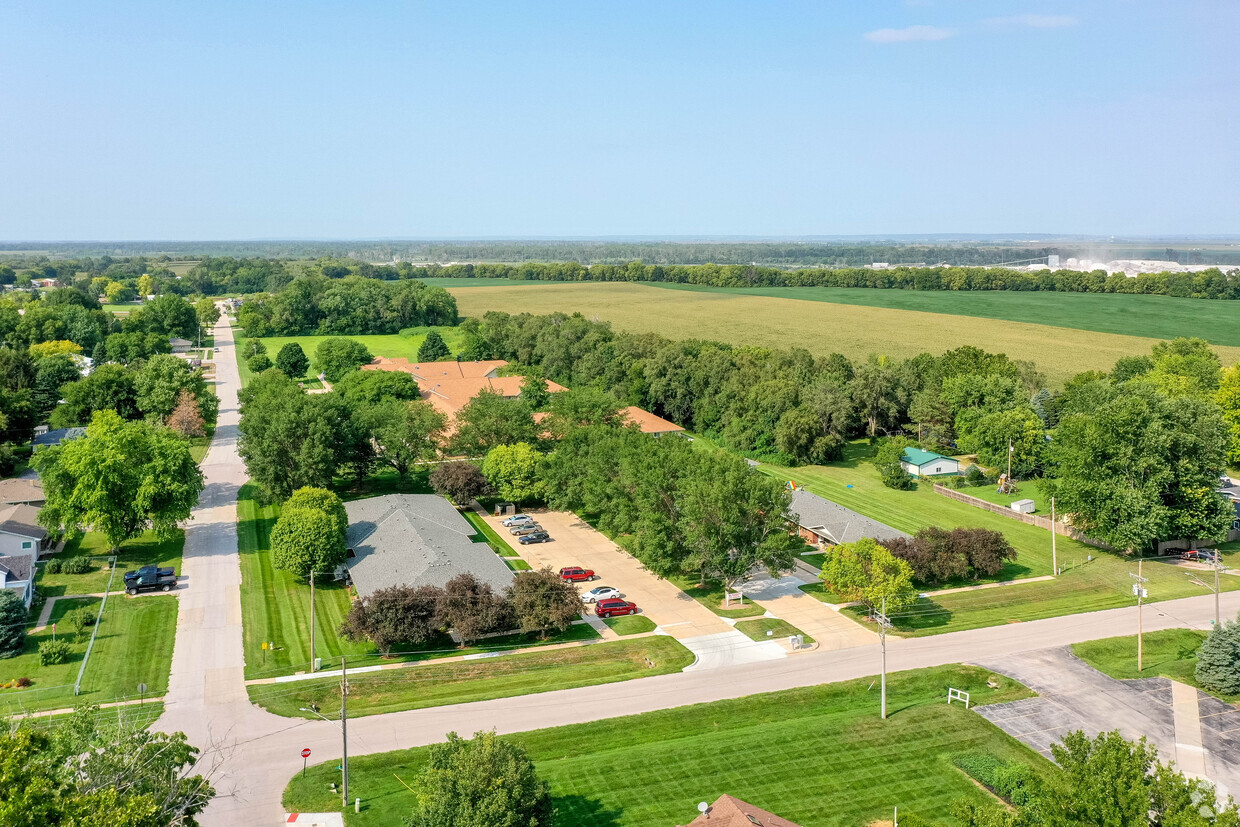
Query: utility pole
(1009, 460)
(312, 621)
(884, 623)
(1054, 556)
(344, 726)
(1218, 567)
(1139, 590)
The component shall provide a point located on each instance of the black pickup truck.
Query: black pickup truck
(151, 582)
(148, 571)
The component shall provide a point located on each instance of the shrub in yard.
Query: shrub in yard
(12, 624)
(1218, 659)
(399, 614)
(975, 476)
(309, 535)
(887, 462)
(259, 362)
(459, 482)
(472, 609)
(22, 683)
(939, 556)
(8, 460)
(53, 652)
(52, 566)
(542, 601)
(486, 780)
(75, 565)
(79, 620)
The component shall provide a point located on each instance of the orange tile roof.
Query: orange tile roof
(449, 386)
(648, 422)
(437, 370)
(729, 811)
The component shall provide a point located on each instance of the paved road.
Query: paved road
(253, 753)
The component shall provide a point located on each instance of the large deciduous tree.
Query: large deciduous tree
(460, 482)
(402, 433)
(12, 624)
(868, 572)
(185, 418)
(335, 356)
(207, 312)
(159, 384)
(543, 601)
(1135, 467)
(1228, 399)
(471, 608)
(120, 479)
(287, 440)
(485, 782)
(309, 535)
(292, 361)
(514, 472)
(488, 420)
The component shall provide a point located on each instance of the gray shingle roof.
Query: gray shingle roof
(22, 520)
(17, 490)
(415, 540)
(18, 566)
(839, 524)
(58, 436)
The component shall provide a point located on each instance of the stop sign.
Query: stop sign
(305, 753)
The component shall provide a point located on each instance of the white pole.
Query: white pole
(1054, 556)
(882, 636)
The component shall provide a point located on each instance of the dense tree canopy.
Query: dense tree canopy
(337, 355)
(120, 479)
(484, 782)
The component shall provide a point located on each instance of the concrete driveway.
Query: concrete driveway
(782, 597)
(576, 543)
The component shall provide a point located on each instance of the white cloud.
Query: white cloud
(909, 35)
(1032, 21)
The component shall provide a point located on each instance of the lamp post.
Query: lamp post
(344, 730)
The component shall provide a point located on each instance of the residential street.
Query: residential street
(255, 753)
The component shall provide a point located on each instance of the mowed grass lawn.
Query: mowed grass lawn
(404, 344)
(822, 327)
(817, 756)
(133, 646)
(1169, 653)
(1085, 585)
(457, 682)
(146, 550)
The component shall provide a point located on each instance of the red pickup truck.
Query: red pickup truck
(575, 574)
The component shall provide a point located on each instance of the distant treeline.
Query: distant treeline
(349, 306)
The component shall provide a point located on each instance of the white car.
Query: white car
(518, 518)
(600, 593)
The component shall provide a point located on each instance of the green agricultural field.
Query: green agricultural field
(404, 344)
(456, 682)
(823, 327)
(133, 645)
(146, 550)
(1159, 317)
(1169, 653)
(1085, 584)
(818, 756)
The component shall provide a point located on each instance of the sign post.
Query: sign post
(141, 693)
(305, 755)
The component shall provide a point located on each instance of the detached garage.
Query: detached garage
(921, 463)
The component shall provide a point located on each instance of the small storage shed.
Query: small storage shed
(921, 463)
(1023, 506)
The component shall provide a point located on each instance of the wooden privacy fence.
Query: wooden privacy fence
(1032, 519)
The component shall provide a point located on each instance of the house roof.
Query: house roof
(19, 490)
(730, 811)
(18, 567)
(22, 520)
(839, 524)
(437, 370)
(58, 436)
(176, 341)
(449, 386)
(415, 540)
(919, 457)
(648, 422)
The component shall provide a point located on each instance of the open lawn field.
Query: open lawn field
(1084, 585)
(822, 328)
(457, 682)
(818, 756)
(146, 550)
(134, 645)
(404, 344)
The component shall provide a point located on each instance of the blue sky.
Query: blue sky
(231, 120)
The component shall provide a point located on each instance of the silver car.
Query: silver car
(525, 528)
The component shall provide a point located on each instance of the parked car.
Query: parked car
(1201, 555)
(148, 571)
(576, 574)
(536, 537)
(150, 583)
(518, 518)
(613, 607)
(525, 528)
(600, 593)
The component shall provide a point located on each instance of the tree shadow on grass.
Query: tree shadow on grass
(577, 809)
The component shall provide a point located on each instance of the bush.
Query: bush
(1010, 781)
(258, 363)
(12, 624)
(459, 482)
(52, 566)
(8, 460)
(1218, 659)
(22, 683)
(53, 652)
(398, 614)
(975, 477)
(542, 601)
(75, 565)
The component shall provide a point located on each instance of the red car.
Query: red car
(613, 607)
(575, 574)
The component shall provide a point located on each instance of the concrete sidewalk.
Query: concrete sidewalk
(782, 597)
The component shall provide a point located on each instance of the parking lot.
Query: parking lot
(575, 543)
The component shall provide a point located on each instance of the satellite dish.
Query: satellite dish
(703, 807)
